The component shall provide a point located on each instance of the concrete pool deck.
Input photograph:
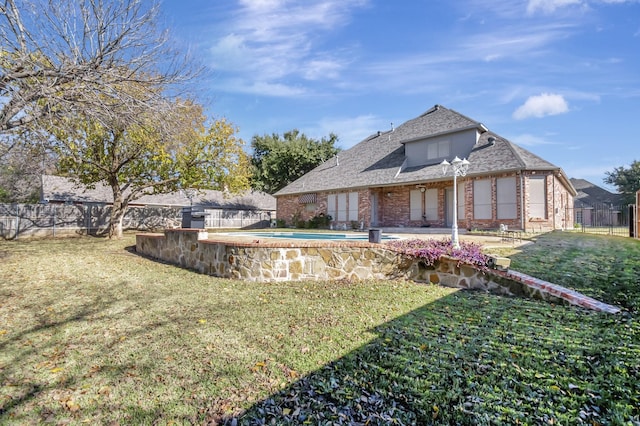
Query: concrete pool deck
(486, 240)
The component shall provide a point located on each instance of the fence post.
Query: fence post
(17, 221)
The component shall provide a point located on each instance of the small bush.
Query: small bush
(319, 221)
(432, 250)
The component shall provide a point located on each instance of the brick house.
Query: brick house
(395, 179)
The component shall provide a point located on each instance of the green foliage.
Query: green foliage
(320, 221)
(627, 181)
(4, 196)
(136, 159)
(279, 160)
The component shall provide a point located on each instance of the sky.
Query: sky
(560, 78)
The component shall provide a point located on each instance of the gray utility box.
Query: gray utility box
(186, 217)
(197, 218)
(193, 217)
(375, 235)
(499, 263)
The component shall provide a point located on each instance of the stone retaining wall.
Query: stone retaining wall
(324, 260)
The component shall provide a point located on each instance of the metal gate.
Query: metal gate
(604, 219)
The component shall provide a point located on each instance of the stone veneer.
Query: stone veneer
(323, 260)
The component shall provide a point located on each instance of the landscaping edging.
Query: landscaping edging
(328, 260)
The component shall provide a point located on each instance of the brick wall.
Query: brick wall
(393, 206)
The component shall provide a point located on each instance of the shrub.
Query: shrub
(319, 221)
(432, 250)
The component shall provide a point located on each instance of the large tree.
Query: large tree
(626, 180)
(56, 56)
(21, 169)
(279, 160)
(141, 157)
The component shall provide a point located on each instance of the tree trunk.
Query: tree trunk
(118, 210)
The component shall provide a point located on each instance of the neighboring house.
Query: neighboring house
(58, 189)
(223, 210)
(589, 194)
(394, 179)
(595, 206)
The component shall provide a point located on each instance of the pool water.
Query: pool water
(315, 236)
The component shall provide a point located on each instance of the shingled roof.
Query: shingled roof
(590, 194)
(378, 160)
(62, 189)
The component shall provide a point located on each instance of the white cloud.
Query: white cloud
(270, 41)
(528, 139)
(240, 85)
(549, 6)
(351, 130)
(542, 105)
(318, 69)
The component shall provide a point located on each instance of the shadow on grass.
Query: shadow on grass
(33, 357)
(603, 267)
(472, 358)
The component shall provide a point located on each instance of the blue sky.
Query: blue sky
(560, 78)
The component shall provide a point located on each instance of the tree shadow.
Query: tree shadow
(468, 358)
(21, 350)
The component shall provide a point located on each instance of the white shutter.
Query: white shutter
(431, 204)
(415, 205)
(461, 198)
(353, 206)
(507, 198)
(537, 197)
(331, 206)
(482, 199)
(342, 207)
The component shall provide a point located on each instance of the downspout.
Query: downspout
(522, 209)
(553, 211)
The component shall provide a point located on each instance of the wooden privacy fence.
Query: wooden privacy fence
(32, 220)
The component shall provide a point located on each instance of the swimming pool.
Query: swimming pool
(315, 236)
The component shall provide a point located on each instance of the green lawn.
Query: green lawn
(91, 333)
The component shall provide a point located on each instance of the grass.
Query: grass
(92, 333)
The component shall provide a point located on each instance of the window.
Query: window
(461, 212)
(353, 206)
(415, 205)
(342, 207)
(482, 199)
(507, 198)
(438, 150)
(331, 206)
(537, 197)
(431, 204)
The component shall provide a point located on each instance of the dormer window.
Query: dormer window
(434, 149)
(440, 149)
